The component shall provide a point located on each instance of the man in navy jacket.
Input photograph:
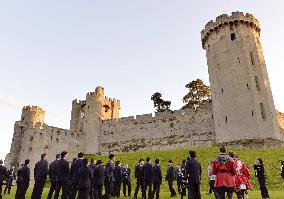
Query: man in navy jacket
(147, 178)
(52, 173)
(3, 173)
(23, 180)
(75, 174)
(40, 175)
(126, 180)
(62, 175)
(156, 179)
(98, 179)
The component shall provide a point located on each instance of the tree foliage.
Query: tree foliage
(159, 104)
(198, 94)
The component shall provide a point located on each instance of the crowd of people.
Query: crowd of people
(84, 180)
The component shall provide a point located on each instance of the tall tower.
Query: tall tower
(243, 105)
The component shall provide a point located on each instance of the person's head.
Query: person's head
(58, 156)
(192, 154)
(170, 162)
(183, 162)
(99, 162)
(157, 161)
(112, 157)
(260, 161)
(232, 154)
(282, 162)
(81, 155)
(63, 154)
(85, 161)
(223, 149)
(43, 156)
(178, 166)
(126, 165)
(117, 163)
(74, 159)
(148, 159)
(1, 162)
(93, 161)
(141, 161)
(27, 162)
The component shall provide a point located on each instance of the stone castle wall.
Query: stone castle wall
(167, 130)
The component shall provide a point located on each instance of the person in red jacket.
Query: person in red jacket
(223, 168)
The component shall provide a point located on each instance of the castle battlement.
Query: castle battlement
(225, 20)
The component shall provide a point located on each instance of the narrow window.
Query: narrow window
(252, 113)
(31, 138)
(251, 58)
(262, 111)
(222, 90)
(257, 83)
(57, 140)
(226, 119)
(248, 86)
(51, 138)
(233, 36)
(239, 60)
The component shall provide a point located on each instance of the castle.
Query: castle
(242, 107)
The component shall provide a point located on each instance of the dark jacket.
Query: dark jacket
(62, 170)
(52, 173)
(147, 174)
(193, 171)
(75, 170)
(41, 170)
(109, 171)
(170, 174)
(85, 176)
(23, 174)
(259, 171)
(98, 175)
(126, 174)
(156, 174)
(117, 174)
(3, 173)
(139, 172)
(11, 175)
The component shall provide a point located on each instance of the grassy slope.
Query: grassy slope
(270, 156)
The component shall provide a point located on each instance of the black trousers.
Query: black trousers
(147, 185)
(263, 188)
(108, 188)
(61, 185)
(194, 191)
(241, 194)
(156, 190)
(83, 193)
(116, 188)
(212, 188)
(73, 191)
(38, 188)
(22, 188)
(126, 183)
(223, 190)
(179, 186)
(51, 189)
(8, 186)
(1, 184)
(139, 184)
(171, 188)
(98, 190)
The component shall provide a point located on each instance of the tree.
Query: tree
(198, 95)
(159, 103)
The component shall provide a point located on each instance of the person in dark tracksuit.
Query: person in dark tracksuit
(52, 173)
(260, 174)
(138, 173)
(193, 174)
(117, 177)
(11, 175)
(62, 176)
(126, 180)
(75, 174)
(40, 175)
(98, 180)
(109, 168)
(3, 173)
(147, 178)
(170, 177)
(92, 166)
(156, 179)
(178, 175)
(84, 183)
(23, 180)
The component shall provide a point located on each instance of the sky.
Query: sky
(52, 52)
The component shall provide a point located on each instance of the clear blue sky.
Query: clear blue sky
(52, 52)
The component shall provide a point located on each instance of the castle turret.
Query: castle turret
(31, 115)
(242, 100)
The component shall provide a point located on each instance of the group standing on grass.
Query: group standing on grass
(227, 175)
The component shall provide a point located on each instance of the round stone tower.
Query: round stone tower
(243, 106)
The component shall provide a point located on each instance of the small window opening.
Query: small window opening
(233, 36)
(57, 140)
(222, 90)
(226, 118)
(248, 86)
(252, 113)
(262, 111)
(239, 60)
(31, 138)
(251, 58)
(257, 83)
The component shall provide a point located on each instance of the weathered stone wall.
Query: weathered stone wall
(168, 130)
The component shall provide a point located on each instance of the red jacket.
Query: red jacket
(224, 169)
(243, 176)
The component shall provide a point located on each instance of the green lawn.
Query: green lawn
(271, 158)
